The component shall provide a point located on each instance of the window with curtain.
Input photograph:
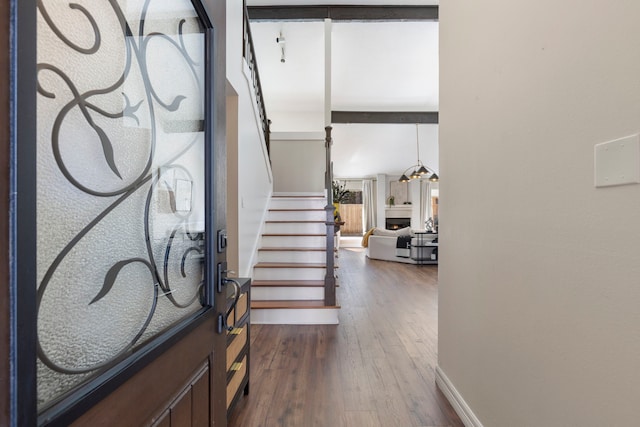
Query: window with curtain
(369, 204)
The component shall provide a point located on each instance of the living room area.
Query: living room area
(407, 232)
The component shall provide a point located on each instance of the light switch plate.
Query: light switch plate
(617, 162)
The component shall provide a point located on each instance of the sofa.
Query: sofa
(382, 244)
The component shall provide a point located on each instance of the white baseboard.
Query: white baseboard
(455, 399)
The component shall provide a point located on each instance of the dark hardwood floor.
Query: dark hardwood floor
(376, 368)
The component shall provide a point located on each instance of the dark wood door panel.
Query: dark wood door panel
(164, 421)
(181, 409)
(201, 402)
(5, 156)
(167, 392)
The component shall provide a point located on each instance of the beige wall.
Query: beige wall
(539, 270)
(298, 165)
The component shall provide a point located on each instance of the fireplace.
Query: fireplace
(397, 223)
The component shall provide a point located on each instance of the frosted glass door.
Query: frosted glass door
(120, 181)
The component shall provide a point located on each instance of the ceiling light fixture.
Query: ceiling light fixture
(419, 168)
(281, 41)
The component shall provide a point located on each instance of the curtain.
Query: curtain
(425, 202)
(368, 205)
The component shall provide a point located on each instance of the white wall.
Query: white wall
(414, 196)
(381, 200)
(298, 165)
(233, 201)
(364, 149)
(538, 282)
(296, 121)
(253, 171)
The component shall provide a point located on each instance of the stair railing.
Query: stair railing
(250, 56)
(330, 278)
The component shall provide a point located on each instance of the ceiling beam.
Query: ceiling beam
(343, 13)
(398, 117)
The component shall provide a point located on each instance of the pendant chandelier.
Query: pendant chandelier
(419, 169)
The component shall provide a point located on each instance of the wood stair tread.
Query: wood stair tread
(286, 283)
(290, 265)
(289, 304)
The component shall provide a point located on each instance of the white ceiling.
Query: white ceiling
(375, 66)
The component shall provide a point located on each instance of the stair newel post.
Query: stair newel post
(329, 279)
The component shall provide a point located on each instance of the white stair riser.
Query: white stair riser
(294, 241)
(292, 256)
(265, 293)
(291, 316)
(299, 209)
(297, 203)
(289, 273)
(297, 215)
(295, 227)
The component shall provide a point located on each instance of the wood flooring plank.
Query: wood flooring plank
(390, 401)
(416, 390)
(325, 404)
(376, 368)
(356, 385)
(362, 419)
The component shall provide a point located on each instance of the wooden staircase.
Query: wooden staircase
(288, 280)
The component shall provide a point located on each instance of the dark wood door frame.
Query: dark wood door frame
(18, 195)
(23, 213)
(5, 386)
(217, 12)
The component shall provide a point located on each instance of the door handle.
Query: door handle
(223, 319)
